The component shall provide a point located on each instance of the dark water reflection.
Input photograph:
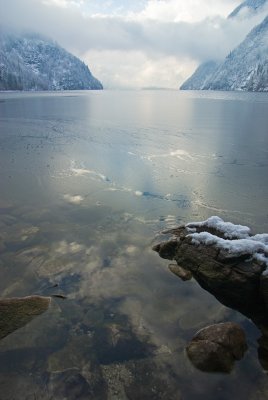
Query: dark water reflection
(88, 180)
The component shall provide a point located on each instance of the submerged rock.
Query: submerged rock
(216, 347)
(71, 384)
(18, 311)
(182, 273)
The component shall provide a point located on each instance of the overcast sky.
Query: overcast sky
(135, 43)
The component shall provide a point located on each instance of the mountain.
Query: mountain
(32, 62)
(201, 76)
(251, 76)
(247, 6)
(246, 67)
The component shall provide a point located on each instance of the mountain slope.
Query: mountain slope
(205, 77)
(31, 62)
(246, 67)
(201, 76)
(248, 5)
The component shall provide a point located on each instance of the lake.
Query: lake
(89, 181)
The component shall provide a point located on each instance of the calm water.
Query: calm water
(88, 182)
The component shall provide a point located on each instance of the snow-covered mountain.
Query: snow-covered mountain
(32, 62)
(245, 68)
(201, 76)
(247, 7)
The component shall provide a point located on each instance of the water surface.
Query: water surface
(88, 182)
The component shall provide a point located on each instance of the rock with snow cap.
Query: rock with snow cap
(225, 259)
(230, 263)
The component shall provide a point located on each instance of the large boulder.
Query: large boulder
(223, 265)
(216, 347)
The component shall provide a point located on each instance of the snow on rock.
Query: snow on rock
(229, 229)
(237, 239)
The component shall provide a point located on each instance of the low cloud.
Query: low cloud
(135, 69)
(157, 46)
(190, 11)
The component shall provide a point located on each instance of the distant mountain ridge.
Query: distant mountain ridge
(32, 62)
(245, 68)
